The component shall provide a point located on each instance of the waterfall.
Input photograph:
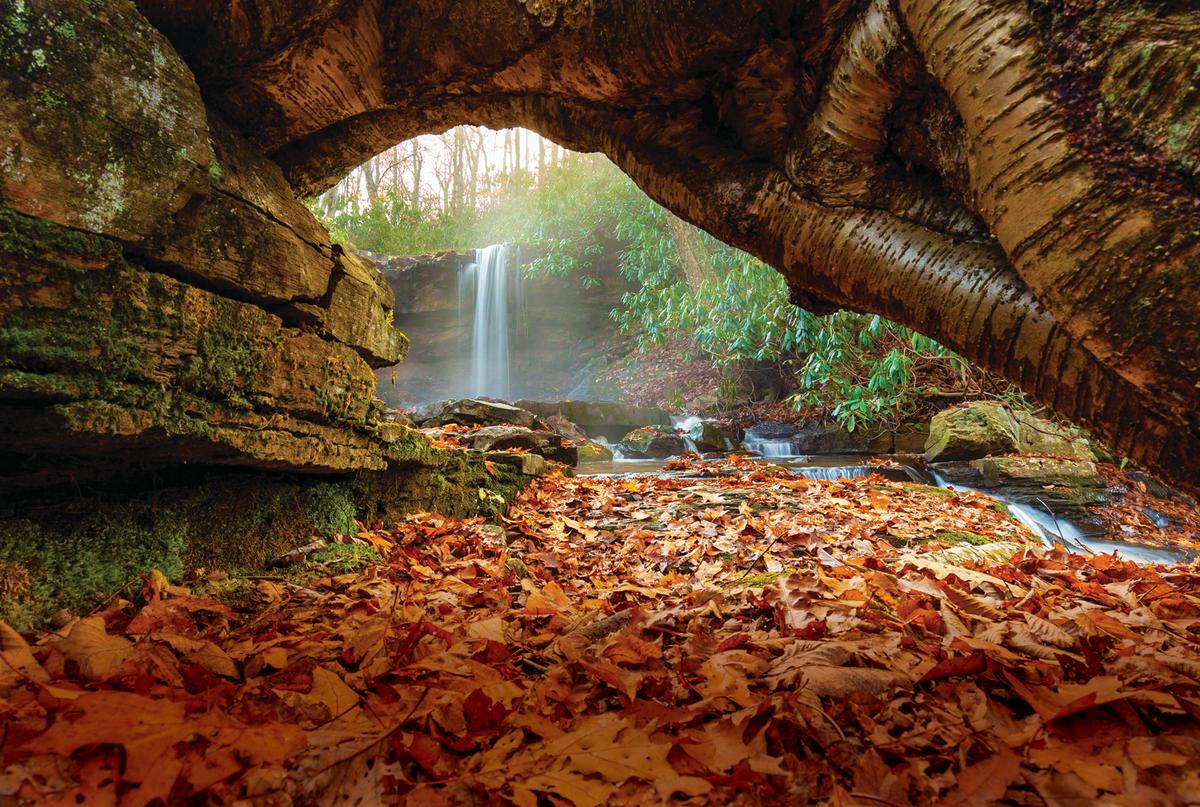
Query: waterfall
(772, 449)
(498, 288)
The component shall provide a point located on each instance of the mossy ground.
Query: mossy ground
(78, 553)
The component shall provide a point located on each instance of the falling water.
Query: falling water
(773, 449)
(497, 280)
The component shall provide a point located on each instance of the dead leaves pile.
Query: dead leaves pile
(739, 637)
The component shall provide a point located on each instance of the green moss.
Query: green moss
(330, 509)
(27, 237)
(215, 171)
(344, 558)
(79, 566)
(961, 537)
(79, 552)
(757, 580)
(930, 490)
(228, 358)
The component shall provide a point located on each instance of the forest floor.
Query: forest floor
(726, 634)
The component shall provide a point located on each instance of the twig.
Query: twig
(761, 555)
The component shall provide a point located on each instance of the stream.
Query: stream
(1051, 529)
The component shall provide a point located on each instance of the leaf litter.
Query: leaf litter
(728, 634)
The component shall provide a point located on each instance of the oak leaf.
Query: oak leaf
(98, 654)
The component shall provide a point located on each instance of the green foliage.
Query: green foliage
(863, 367)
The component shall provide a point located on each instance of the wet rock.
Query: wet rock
(565, 427)
(711, 437)
(1064, 486)
(968, 432)
(986, 429)
(473, 412)
(600, 418)
(652, 442)
(829, 438)
(501, 438)
(771, 430)
(591, 451)
(809, 438)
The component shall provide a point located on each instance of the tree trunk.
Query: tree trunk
(693, 255)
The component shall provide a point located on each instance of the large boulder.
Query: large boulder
(709, 436)
(504, 438)
(652, 442)
(977, 430)
(986, 429)
(591, 451)
(473, 412)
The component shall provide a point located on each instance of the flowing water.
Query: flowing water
(499, 298)
(772, 449)
(1046, 526)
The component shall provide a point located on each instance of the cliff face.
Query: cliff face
(165, 296)
(557, 329)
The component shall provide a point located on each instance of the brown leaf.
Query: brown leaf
(985, 782)
(98, 655)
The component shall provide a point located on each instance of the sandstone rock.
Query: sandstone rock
(1040, 436)
(907, 439)
(564, 427)
(102, 127)
(113, 358)
(500, 438)
(359, 313)
(771, 430)
(247, 236)
(977, 430)
(829, 438)
(146, 305)
(1057, 482)
(652, 442)
(473, 412)
(591, 451)
(982, 429)
(810, 438)
(1065, 486)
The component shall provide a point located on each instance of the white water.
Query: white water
(1053, 530)
(497, 278)
(774, 449)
